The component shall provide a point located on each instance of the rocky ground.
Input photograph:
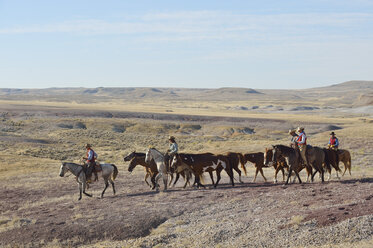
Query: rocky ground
(247, 215)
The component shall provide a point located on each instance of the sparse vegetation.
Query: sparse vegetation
(40, 208)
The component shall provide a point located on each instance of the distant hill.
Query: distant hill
(347, 93)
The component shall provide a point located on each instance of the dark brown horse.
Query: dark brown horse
(138, 158)
(331, 160)
(291, 156)
(279, 165)
(235, 159)
(257, 159)
(205, 162)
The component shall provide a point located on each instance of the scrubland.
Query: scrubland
(41, 209)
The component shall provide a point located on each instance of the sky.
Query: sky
(268, 44)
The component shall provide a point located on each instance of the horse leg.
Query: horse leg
(230, 174)
(165, 178)
(112, 185)
(80, 191)
(349, 166)
(256, 173)
(172, 178)
(290, 171)
(218, 177)
(309, 173)
(297, 174)
(197, 179)
(146, 179)
(261, 172)
(153, 180)
(276, 172)
(156, 181)
(176, 179)
(212, 177)
(106, 185)
(187, 178)
(313, 175)
(283, 174)
(84, 187)
(344, 170)
(239, 174)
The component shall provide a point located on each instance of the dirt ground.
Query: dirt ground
(39, 208)
(135, 212)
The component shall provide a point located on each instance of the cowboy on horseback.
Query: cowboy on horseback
(172, 150)
(302, 144)
(294, 137)
(90, 161)
(333, 142)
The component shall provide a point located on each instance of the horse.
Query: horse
(109, 173)
(257, 159)
(158, 158)
(151, 170)
(205, 162)
(345, 157)
(279, 165)
(291, 157)
(331, 160)
(235, 159)
(316, 159)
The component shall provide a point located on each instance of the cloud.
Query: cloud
(210, 25)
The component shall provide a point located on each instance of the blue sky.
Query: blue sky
(192, 44)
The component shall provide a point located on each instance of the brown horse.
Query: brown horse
(345, 157)
(235, 159)
(331, 160)
(138, 158)
(205, 162)
(279, 165)
(257, 159)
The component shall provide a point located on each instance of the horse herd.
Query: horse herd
(282, 158)
(279, 156)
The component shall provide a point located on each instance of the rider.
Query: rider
(90, 160)
(333, 142)
(302, 144)
(294, 137)
(172, 150)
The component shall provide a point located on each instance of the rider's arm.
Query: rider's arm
(90, 155)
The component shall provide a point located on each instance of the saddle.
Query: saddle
(98, 167)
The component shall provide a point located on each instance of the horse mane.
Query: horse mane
(153, 148)
(285, 148)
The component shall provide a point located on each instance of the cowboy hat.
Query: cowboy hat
(300, 129)
(88, 146)
(171, 138)
(332, 133)
(291, 131)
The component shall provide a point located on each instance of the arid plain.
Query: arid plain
(41, 128)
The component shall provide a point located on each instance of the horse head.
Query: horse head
(132, 165)
(63, 169)
(268, 157)
(175, 161)
(130, 156)
(276, 152)
(148, 156)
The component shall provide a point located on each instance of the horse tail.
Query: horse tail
(115, 174)
(242, 162)
(327, 160)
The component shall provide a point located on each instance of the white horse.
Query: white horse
(109, 173)
(158, 158)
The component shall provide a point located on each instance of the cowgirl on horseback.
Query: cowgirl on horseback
(90, 161)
